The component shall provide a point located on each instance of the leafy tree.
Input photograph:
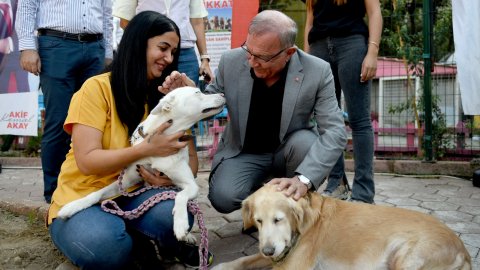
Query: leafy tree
(402, 35)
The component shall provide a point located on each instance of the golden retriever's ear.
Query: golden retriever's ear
(247, 214)
(304, 215)
(297, 216)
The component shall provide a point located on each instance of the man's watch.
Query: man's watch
(305, 181)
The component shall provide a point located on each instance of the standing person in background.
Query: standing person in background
(65, 43)
(192, 30)
(336, 32)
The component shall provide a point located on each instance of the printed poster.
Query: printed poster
(18, 89)
(218, 29)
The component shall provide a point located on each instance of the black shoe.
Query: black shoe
(188, 255)
(48, 199)
(146, 253)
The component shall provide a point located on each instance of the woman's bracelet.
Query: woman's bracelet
(374, 43)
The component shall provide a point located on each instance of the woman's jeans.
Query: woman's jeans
(345, 55)
(188, 64)
(94, 239)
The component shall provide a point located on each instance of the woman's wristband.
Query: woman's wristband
(374, 43)
(205, 56)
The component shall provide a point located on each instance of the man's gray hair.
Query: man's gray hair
(272, 21)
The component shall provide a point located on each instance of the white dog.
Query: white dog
(185, 106)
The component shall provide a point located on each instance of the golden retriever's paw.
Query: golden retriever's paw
(222, 266)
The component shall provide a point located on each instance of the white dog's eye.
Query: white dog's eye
(259, 221)
(277, 220)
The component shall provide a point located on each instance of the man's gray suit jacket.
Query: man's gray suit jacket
(309, 92)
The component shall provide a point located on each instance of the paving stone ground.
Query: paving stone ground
(453, 200)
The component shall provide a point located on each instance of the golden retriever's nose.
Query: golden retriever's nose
(268, 251)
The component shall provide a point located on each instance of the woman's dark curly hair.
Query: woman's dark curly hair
(130, 87)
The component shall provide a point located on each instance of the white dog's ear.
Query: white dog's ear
(247, 213)
(165, 104)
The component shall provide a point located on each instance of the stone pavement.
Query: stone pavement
(454, 201)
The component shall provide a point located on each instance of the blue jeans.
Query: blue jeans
(94, 239)
(66, 64)
(345, 55)
(188, 64)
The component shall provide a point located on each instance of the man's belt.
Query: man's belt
(82, 37)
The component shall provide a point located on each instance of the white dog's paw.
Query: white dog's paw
(180, 222)
(76, 206)
(180, 228)
(71, 209)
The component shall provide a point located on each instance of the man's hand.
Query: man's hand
(175, 80)
(30, 61)
(290, 187)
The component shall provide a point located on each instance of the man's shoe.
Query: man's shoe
(350, 199)
(189, 256)
(342, 192)
(48, 199)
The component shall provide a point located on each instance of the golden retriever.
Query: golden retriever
(316, 232)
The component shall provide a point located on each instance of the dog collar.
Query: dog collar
(287, 250)
(140, 132)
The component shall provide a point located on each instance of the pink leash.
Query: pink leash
(112, 207)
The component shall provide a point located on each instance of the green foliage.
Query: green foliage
(33, 146)
(441, 138)
(402, 35)
(7, 141)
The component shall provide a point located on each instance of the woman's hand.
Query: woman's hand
(206, 72)
(154, 177)
(162, 145)
(175, 80)
(369, 67)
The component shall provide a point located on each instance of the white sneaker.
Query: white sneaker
(342, 192)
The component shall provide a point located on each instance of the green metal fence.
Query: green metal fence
(416, 101)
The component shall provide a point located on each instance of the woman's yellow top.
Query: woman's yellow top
(94, 106)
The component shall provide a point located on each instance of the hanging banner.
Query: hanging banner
(18, 89)
(465, 17)
(226, 26)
